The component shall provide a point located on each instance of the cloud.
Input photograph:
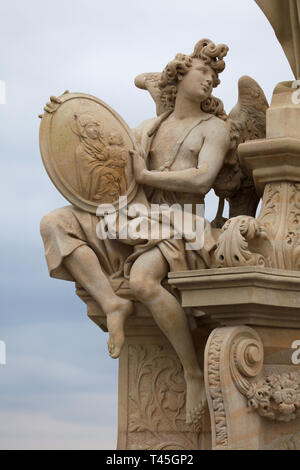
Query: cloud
(39, 431)
(57, 374)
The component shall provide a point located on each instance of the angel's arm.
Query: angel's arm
(193, 180)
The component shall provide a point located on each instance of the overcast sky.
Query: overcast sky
(59, 387)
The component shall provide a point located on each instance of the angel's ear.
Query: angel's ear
(179, 77)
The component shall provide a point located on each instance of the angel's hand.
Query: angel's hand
(53, 104)
(202, 168)
(139, 165)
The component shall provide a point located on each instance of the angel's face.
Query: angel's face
(197, 84)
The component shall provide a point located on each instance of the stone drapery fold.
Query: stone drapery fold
(284, 16)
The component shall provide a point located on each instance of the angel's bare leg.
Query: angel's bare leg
(145, 281)
(84, 266)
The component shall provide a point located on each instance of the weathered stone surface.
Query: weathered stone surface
(236, 295)
(86, 148)
(284, 16)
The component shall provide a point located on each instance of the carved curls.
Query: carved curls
(214, 106)
(212, 55)
(179, 66)
(170, 76)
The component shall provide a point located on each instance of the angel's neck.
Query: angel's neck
(185, 108)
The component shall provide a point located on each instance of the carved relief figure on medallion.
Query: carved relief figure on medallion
(100, 161)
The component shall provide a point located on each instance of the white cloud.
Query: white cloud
(39, 431)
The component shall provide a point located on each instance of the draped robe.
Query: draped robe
(284, 16)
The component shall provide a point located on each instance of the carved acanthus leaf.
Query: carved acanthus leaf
(157, 401)
(280, 215)
(233, 247)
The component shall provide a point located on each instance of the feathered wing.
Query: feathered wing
(149, 82)
(248, 122)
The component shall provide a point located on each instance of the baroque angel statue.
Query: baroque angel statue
(179, 156)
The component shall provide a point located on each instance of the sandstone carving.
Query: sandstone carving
(121, 268)
(276, 397)
(87, 150)
(233, 356)
(233, 244)
(157, 401)
(281, 202)
(290, 443)
(214, 389)
(247, 121)
(284, 16)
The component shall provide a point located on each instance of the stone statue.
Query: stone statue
(178, 157)
(284, 16)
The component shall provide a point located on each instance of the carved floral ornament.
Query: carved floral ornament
(276, 397)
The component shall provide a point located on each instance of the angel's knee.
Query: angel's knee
(144, 288)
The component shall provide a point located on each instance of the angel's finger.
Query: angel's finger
(49, 108)
(54, 99)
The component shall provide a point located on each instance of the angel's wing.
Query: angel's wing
(149, 82)
(248, 122)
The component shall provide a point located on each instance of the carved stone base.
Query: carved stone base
(254, 403)
(253, 390)
(242, 296)
(252, 386)
(152, 388)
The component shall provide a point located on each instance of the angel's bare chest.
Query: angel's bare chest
(178, 144)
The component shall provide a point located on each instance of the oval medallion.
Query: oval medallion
(85, 146)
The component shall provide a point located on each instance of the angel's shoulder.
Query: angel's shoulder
(219, 129)
(219, 123)
(143, 128)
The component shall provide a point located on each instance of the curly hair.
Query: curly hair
(212, 55)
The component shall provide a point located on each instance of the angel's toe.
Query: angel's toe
(111, 347)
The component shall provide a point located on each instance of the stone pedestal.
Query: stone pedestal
(245, 317)
(244, 322)
(252, 387)
(152, 389)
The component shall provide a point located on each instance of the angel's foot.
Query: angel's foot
(195, 402)
(115, 325)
